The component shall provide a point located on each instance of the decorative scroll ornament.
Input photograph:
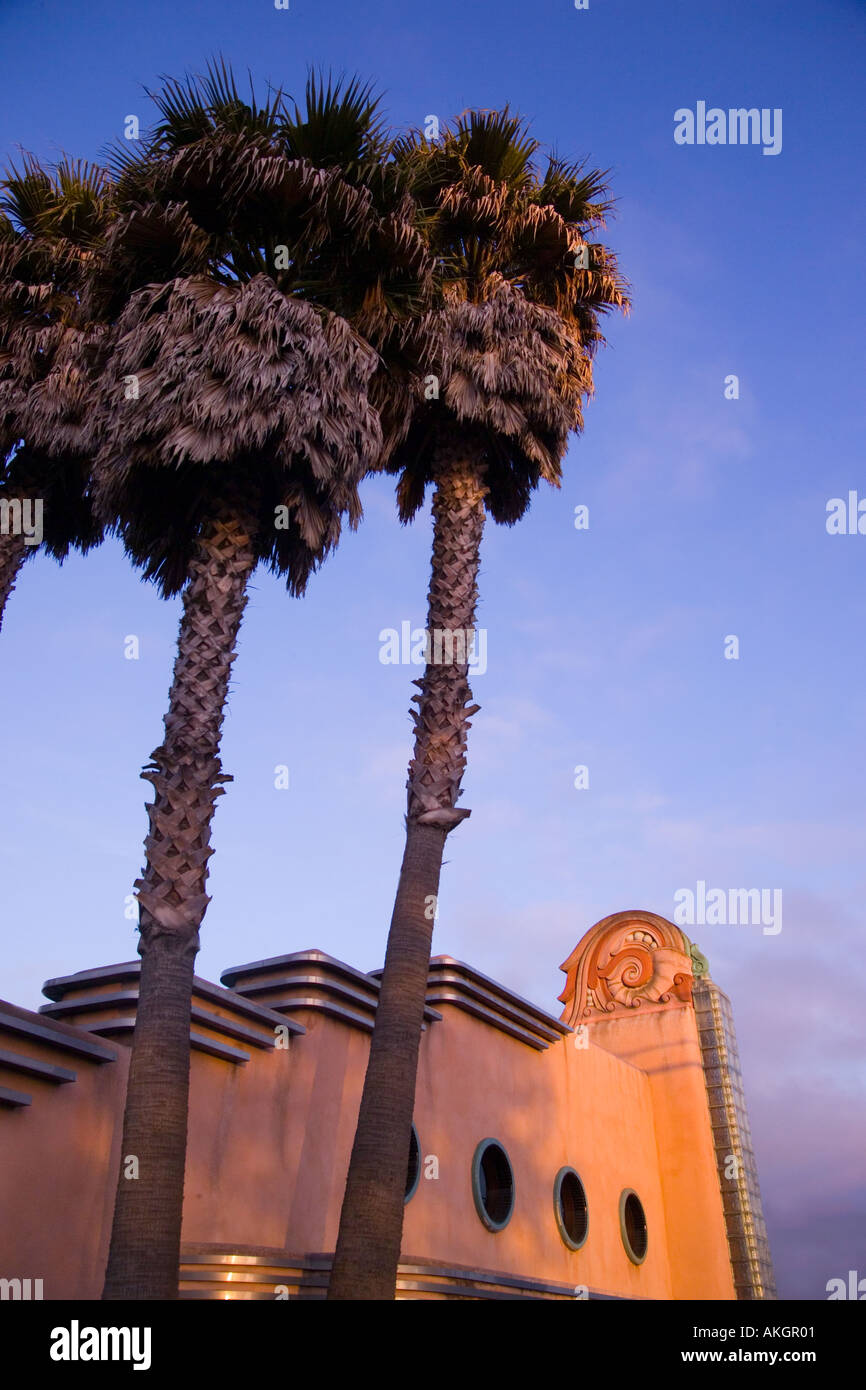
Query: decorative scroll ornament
(626, 962)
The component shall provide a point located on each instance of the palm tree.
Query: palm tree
(234, 428)
(49, 225)
(508, 366)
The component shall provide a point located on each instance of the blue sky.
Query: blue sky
(605, 646)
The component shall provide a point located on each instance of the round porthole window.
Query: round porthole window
(632, 1225)
(492, 1185)
(413, 1171)
(569, 1204)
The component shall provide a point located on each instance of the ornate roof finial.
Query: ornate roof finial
(628, 961)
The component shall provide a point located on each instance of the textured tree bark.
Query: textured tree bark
(14, 550)
(186, 774)
(371, 1221)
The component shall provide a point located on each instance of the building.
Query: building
(602, 1154)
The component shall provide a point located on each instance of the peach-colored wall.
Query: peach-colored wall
(266, 1140)
(58, 1169)
(566, 1106)
(270, 1171)
(665, 1045)
(269, 1144)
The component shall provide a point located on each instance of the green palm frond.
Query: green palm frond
(338, 125)
(27, 194)
(69, 202)
(83, 192)
(228, 110)
(497, 143)
(201, 116)
(579, 197)
(192, 109)
(185, 117)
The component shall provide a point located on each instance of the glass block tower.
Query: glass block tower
(735, 1160)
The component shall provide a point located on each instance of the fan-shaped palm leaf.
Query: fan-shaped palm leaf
(51, 224)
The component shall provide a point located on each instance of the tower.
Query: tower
(738, 1172)
(644, 991)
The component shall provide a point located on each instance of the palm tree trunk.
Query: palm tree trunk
(371, 1221)
(14, 550)
(186, 774)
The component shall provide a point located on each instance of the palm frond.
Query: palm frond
(512, 340)
(496, 142)
(579, 197)
(338, 124)
(28, 193)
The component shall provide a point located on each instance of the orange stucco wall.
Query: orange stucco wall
(665, 1046)
(271, 1170)
(269, 1144)
(59, 1159)
(579, 1108)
